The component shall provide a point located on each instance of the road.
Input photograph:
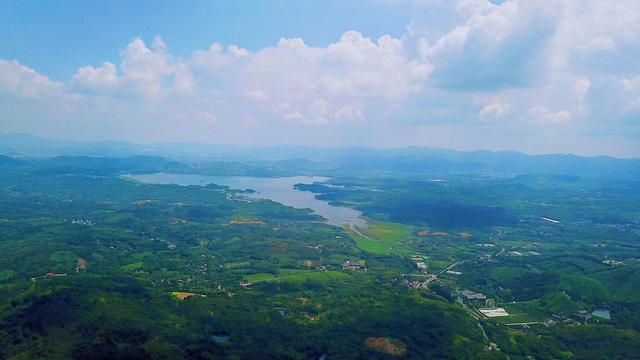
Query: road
(451, 267)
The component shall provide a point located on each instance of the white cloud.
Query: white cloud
(19, 80)
(198, 116)
(582, 88)
(494, 49)
(542, 115)
(183, 82)
(318, 85)
(101, 78)
(216, 56)
(291, 80)
(632, 105)
(145, 72)
(493, 111)
(570, 62)
(349, 112)
(630, 84)
(257, 95)
(144, 69)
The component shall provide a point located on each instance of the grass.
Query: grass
(63, 257)
(236, 265)
(253, 278)
(539, 309)
(505, 273)
(521, 312)
(6, 274)
(282, 272)
(437, 265)
(298, 276)
(382, 238)
(590, 290)
(132, 266)
(557, 302)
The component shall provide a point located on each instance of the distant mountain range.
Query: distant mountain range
(404, 160)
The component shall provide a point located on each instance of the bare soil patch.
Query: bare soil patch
(387, 345)
(183, 295)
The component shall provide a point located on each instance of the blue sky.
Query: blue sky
(76, 33)
(539, 77)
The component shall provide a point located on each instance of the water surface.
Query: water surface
(277, 189)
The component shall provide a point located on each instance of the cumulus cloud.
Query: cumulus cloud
(526, 63)
(318, 85)
(492, 50)
(101, 78)
(19, 80)
(291, 81)
(216, 56)
(149, 72)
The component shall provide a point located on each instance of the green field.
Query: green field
(300, 276)
(132, 266)
(136, 244)
(383, 238)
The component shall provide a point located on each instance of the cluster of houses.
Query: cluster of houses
(81, 265)
(83, 222)
(415, 284)
(177, 221)
(469, 295)
(353, 265)
(242, 198)
(426, 278)
(419, 260)
(611, 262)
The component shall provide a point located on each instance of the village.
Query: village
(479, 306)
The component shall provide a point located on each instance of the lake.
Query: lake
(276, 189)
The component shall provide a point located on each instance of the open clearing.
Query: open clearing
(183, 295)
(382, 238)
(387, 345)
(520, 313)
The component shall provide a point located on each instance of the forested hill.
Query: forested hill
(317, 160)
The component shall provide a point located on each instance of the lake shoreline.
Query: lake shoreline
(281, 190)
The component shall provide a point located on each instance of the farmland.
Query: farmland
(161, 270)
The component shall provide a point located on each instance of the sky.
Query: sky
(540, 76)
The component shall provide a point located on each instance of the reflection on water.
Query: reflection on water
(277, 189)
